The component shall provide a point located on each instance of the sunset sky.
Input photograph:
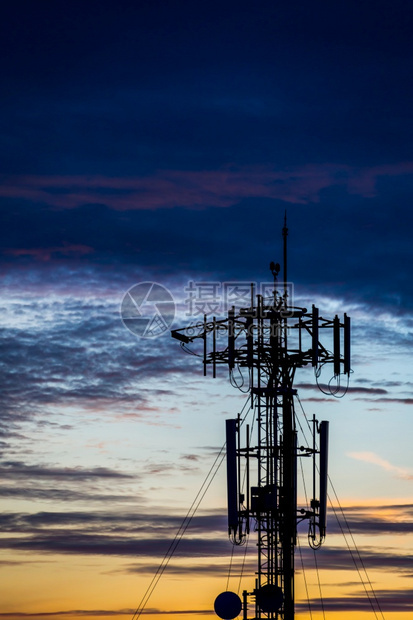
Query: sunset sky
(155, 141)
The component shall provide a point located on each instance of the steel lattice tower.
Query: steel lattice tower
(270, 339)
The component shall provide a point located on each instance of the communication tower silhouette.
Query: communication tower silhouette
(269, 340)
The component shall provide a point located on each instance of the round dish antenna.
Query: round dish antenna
(227, 605)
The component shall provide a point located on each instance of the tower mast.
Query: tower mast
(269, 340)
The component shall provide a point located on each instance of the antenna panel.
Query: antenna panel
(205, 346)
(315, 337)
(347, 345)
(231, 339)
(250, 341)
(232, 485)
(323, 476)
(336, 345)
(181, 337)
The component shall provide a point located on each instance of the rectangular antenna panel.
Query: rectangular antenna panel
(250, 341)
(347, 346)
(181, 337)
(336, 345)
(315, 337)
(231, 340)
(232, 484)
(323, 476)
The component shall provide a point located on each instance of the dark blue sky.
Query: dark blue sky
(171, 137)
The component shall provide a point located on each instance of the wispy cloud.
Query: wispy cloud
(88, 613)
(374, 459)
(349, 390)
(196, 189)
(384, 600)
(399, 401)
(74, 543)
(42, 493)
(18, 470)
(77, 613)
(45, 254)
(341, 558)
(47, 365)
(147, 534)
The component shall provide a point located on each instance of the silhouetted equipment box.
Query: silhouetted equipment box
(263, 499)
